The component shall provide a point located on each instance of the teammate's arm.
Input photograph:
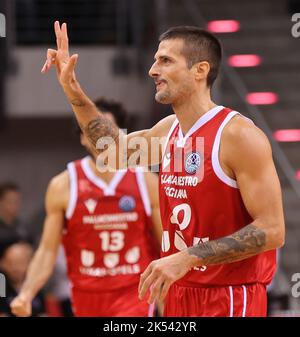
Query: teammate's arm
(92, 122)
(152, 185)
(246, 152)
(44, 258)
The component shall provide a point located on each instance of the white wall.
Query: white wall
(32, 94)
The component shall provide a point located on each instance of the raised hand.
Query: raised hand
(60, 58)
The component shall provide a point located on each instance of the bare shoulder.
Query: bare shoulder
(59, 183)
(58, 191)
(243, 142)
(163, 126)
(241, 132)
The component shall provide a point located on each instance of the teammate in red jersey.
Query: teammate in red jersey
(220, 194)
(108, 223)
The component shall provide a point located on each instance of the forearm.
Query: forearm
(38, 273)
(247, 242)
(92, 122)
(157, 226)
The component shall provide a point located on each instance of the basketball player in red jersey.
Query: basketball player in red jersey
(105, 221)
(220, 201)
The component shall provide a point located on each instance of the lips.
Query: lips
(159, 83)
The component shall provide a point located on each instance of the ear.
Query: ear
(201, 70)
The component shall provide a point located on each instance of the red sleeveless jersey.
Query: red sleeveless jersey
(107, 230)
(199, 202)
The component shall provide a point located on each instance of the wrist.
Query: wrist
(76, 96)
(192, 260)
(26, 295)
(72, 88)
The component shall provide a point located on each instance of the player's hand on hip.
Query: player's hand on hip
(21, 307)
(60, 58)
(161, 274)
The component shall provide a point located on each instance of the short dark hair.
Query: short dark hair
(199, 45)
(8, 186)
(115, 108)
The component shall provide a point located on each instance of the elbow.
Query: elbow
(278, 236)
(280, 242)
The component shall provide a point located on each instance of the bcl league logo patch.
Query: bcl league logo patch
(192, 162)
(127, 203)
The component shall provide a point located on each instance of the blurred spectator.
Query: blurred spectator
(10, 204)
(14, 261)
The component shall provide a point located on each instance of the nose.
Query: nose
(153, 72)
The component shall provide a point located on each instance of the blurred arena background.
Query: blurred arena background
(116, 40)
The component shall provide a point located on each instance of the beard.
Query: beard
(163, 97)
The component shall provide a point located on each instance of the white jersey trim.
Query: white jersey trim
(215, 154)
(210, 114)
(108, 189)
(245, 301)
(73, 190)
(230, 302)
(140, 177)
(175, 123)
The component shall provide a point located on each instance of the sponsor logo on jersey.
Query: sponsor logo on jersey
(179, 181)
(175, 193)
(87, 258)
(110, 219)
(111, 260)
(179, 241)
(91, 205)
(192, 162)
(165, 241)
(133, 255)
(127, 203)
(119, 270)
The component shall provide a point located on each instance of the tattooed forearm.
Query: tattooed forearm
(244, 243)
(100, 127)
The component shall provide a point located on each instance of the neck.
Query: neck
(106, 176)
(189, 110)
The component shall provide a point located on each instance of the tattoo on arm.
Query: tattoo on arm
(244, 243)
(103, 127)
(100, 127)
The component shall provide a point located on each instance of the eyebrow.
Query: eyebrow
(162, 56)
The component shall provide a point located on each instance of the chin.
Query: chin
(163, 99)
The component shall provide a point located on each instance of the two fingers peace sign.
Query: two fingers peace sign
(60, 58)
